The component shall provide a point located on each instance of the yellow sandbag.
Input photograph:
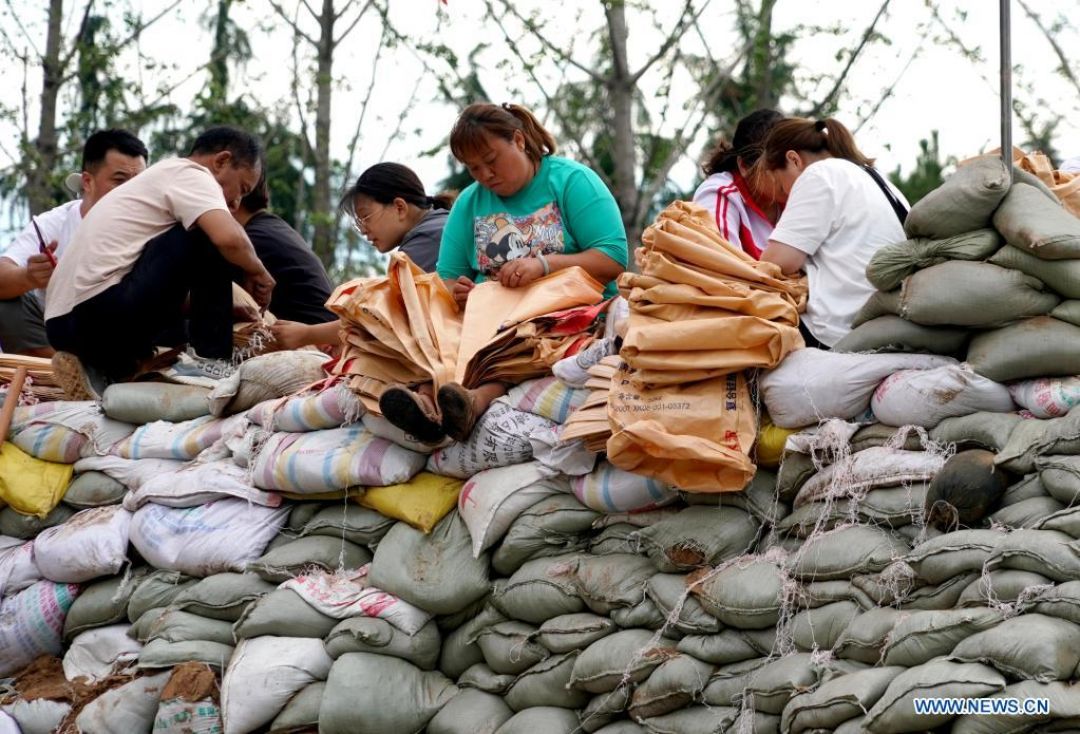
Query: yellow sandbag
(770, 443)
(422, 502)
(31, 486)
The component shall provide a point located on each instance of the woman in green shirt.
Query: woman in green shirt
(528, 214)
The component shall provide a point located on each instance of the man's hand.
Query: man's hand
(260, 285)
(290, 334)
(521, 272)
(461, 289)
(39, 268)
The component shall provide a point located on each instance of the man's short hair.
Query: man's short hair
(245, 148)
(259, 197)
(101, 142)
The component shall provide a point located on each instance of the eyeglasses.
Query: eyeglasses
(363, 223)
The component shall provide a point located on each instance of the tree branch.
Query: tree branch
(842, 77)
(535, 31)
(1066, 67)
(66, 59)
(291, 22)
(18, 21)
(671, 40)
(310, 9)
(352, 25)
(889, 90)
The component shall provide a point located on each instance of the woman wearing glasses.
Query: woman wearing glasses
(390, 209)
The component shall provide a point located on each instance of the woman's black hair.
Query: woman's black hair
(746, 144)
(385, 182)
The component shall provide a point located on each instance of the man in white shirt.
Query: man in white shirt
(154, 259)
(110, 157)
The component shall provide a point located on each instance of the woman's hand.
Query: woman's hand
(460, 289)
(290, 334)
(521, 272)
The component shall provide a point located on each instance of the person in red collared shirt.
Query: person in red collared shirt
(744, 216)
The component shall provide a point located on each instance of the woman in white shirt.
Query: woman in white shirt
(744, 217)
(839, 211)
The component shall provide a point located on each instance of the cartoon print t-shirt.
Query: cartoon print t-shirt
(565, 209)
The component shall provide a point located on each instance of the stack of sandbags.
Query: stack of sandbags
(990, 275)
(702, 312)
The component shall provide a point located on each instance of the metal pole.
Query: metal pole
(1006, 85)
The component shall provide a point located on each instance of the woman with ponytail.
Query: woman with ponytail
(389, 207)
(529, 213)
(838, 212)
(744, 216)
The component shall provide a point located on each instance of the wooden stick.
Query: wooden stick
(12, 400)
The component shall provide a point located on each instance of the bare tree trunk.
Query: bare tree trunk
(218, 91)
(323, 240)
(761, 57)
(37, 184)
(621, 90)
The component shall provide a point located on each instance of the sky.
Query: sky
(935, 87)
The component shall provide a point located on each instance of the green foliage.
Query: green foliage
(927, 173)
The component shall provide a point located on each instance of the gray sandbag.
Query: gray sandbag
(1060, 475)
(890, 333)
(758, 498)
(729, 646)
(1048, 552)
(103, 602)
(173, 625)
(864, 639)
(94, 489)
(546, 684)
(1064, 704)
(1030, 221)
(1030, 487)
(892, 263)
(129, 708)
(847, 551)
(375, 694)
(1026, 513)
(820, 628)
(953, 554)
(1061, 276)
(966, 489)
(773, 684)
(1066, 521)
(880, 303)
(159, 589)
(876, 435)
(303, 512)
(282, 613)
(699, 536)
(727, 686)
(471, 712)
(1068, 311)
(919, 636)
(964, 202)
(350, 521)
(795, 471)
(459, 649)
(820, 593)
(540, 719)
(289, 560)
(670, 594)
(610, 582)
(977, 431)
(482, 678)
(837, 700)
(302, 710)
(146, 402)
(266, 377)
(553, 526)
(694, 720)
(436, 571)
(165, 654)
(627, 656)
(1031, 646)
(1031, 439)
(972, 294)
(645, 615)
(604, 709)
(27, 527)
(37, 716)
(368, 634)
(895, 507)
(618, 538)
(939, 678)
(1005, 587)
(569, 632)
(1038, 347)
(541, 589)
(509, 649)
(675, 684)
(744, 595)
(1062, 601)
(223, 596)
